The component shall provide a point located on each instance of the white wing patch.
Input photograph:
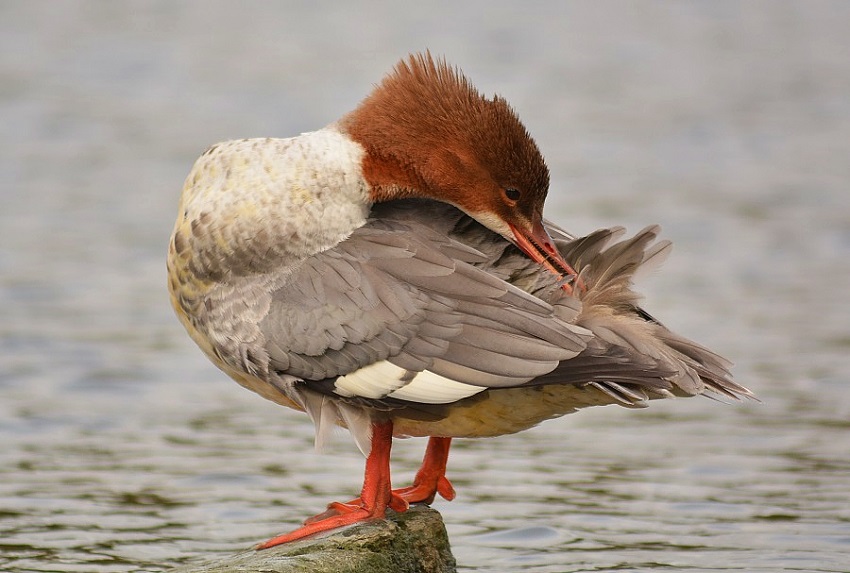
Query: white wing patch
(374, 381)
(430, 388)
(386, 380)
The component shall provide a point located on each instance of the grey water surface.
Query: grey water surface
(728, 123)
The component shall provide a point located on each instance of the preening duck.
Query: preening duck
(392, 273)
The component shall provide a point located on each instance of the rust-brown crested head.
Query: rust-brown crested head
(429, 133)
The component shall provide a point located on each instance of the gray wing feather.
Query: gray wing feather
(435, 293)
(387, 293)
(633, 357)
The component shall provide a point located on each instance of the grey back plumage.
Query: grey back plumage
(422, 312)
(401, 291)
(426, 288)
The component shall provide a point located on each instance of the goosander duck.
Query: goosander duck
(392, 273)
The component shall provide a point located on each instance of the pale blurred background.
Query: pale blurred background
(728, 123)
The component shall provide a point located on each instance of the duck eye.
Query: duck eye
(512, 194)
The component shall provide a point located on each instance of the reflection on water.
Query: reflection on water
(123, 450)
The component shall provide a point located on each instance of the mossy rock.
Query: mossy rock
(411, 542)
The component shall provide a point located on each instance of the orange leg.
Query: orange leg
(374, 499)
(429, 481)
(431, 477)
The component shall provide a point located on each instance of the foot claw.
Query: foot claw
(398, 503)
(315, 525)
(336, 508)
(445, 489)
(422, 493)
(377, 496)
